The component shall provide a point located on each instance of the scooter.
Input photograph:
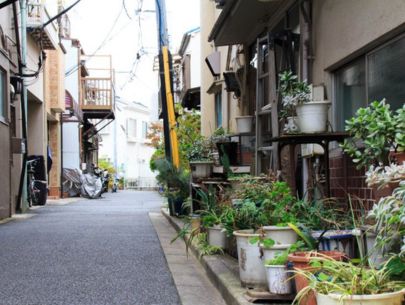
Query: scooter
(114, 187)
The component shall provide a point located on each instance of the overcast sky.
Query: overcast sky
(105, 26)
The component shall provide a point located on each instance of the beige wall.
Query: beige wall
(207, 11)
(7, 177)
(344, 29)
(230, 106)
(54, 93)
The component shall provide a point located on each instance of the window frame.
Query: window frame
(365, 55)
(4, 117)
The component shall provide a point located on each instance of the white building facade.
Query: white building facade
(124, 143)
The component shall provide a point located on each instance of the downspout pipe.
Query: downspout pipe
(22, 55)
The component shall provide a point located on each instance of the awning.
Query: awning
(242, 21)
(191, 99)
(73, 106)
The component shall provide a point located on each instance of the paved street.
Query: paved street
(92, 252)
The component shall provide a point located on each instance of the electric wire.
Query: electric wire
(102, 44)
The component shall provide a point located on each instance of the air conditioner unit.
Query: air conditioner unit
(310, 150)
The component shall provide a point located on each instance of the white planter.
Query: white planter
(375, 255)
(270, 253)
(281, 235)
(291, 126)
(201, 169)
(217, 236)
(244, 124)
(312, 117)
(251, 270)
(392, 298)
(278, 279)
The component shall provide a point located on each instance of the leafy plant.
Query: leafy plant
(252, 189)
(187, 234)
(211, 210)
(375, 126)
(279, 204)
(389, 214)
(176, 179)
(281, 257)
(293, 92)
(384, 175)
(199, 151)
(399, 119)
(244, 215)
(329, 276)
(206, 249)
(320, 214)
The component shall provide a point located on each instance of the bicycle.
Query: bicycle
(33, 191)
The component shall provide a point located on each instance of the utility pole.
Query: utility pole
(166, 86)
(22, 192)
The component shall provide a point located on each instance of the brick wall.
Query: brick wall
(345, 179)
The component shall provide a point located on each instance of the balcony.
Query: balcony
(96, 88)
(36, 17)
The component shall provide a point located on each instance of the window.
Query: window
(131, 128)
(385, 75)
(218, 110)
(144, 129)
(3, 95)
(350, 91)
(373, 76)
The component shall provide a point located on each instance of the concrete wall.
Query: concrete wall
(344, 29)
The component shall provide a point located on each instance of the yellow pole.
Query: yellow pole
(170, 109)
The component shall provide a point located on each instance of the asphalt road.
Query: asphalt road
(92, 252)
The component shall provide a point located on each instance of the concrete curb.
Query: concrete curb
(219, 269)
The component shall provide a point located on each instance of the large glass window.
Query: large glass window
(350, 91)
(386, 73)
(373, 76)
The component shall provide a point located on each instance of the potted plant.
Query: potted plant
(176, 182)
(374, 134)
(227, 150)
(211, 218)
(247, 219)
(296, 99)
(300, 260)
(399, 155)
(389, 228)
(339, 283)
(278, 206)
(277, 273)
(200, 158)
(244, 124)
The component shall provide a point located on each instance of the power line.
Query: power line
(125, 8)
(102, 44)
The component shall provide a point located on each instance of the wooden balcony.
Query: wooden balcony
(97, 92)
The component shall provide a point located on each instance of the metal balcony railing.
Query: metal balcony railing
(36, 17)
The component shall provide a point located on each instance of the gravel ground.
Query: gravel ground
(90, 252)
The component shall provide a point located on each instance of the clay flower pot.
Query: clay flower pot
(301, 261)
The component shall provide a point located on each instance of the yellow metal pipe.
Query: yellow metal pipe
(170, 109)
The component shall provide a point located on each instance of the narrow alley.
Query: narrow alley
(97, 252)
